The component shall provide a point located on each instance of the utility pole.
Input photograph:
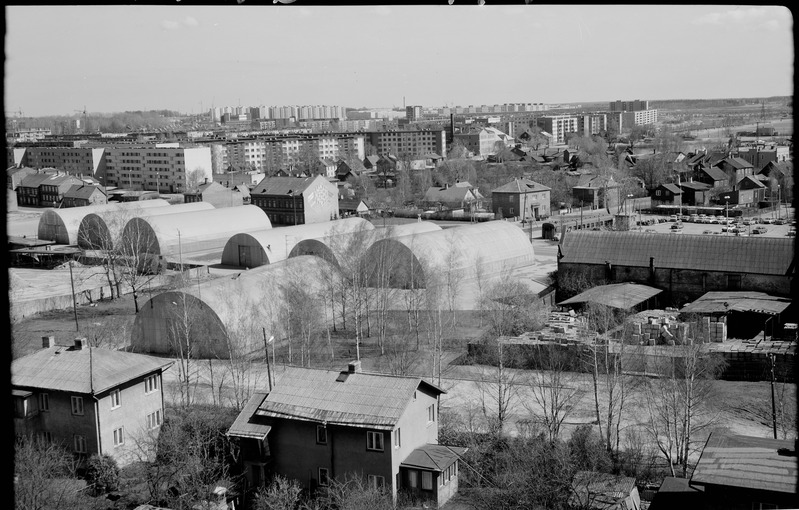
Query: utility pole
(773, 405)
(266, 355)
(74, 303)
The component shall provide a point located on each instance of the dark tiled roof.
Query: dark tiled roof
(361, 400)
(715, 173)
(282, 185)
(450, 194)
(756, 255)
(521, 186)
(750, 182)
(673, 188)
(747, 462)
(433, 457)
(677, 493)
(736, 162)
(696, 186)
(81, 370)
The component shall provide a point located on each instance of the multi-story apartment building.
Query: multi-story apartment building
(284, 151)
(628, 106)
(483, 142)
(412, 143)
(28, 134)
(592, 124)
(80, 397)
(413, 113)
(85, 161)
(558, 126)
(166, 168)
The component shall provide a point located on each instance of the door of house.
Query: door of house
(244, 256)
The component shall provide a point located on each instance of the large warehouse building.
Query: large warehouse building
(228, 315)
(253, 249)
(61, 225)
(410, 261)
(179, 237)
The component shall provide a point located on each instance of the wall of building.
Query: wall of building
(62, 424)
(416, 429)
(681, 285)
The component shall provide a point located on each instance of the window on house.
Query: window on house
(374, 441)
(151, 384)
(431, 413)
(44, 401)
(115, 400)
(733, 282)
(321, 434)
(154, 419)
(323, 477)
(398, 438)
(46, 437)
(427, 480)
(79, 443)
(118, 437)
(657, 192)
(413, 478)
(77, 406)
(375, 481)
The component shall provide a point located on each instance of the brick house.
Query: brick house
(319, 425)
(521, 197)
(92, 400)
(45, 189)
(296, 200)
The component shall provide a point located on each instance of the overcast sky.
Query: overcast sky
(181, 57)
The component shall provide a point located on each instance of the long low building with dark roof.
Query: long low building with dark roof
(684, 266)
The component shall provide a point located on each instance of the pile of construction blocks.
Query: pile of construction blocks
(665, 331)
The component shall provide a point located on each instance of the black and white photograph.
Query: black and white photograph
(461, 255)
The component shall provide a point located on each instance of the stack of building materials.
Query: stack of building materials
(715, 328)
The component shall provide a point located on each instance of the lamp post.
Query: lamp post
(727, 212)
(779, 204)
(268, 341)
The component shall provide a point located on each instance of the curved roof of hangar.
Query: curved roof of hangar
(196, 231)
(495, 244)
(61, 225)
(280, 241)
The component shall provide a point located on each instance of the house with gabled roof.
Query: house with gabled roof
(695, 193)
(749, 191)
(523, 198)
(45, 188)
(780, 173)
(296, 200)
(91, 400)
(315, 426)
(216, 194)
(603, 491)
(736, 169)
(668, 194)
(461, 195)
(79, 195)
(598, 191)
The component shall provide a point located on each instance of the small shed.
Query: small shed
(623, 296)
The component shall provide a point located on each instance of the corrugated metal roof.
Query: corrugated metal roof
(747, 462)
(738, 301)
(68, 369)
(433, 457)
(756, 255)
(242, 427)
(362, 400)
(616, 295)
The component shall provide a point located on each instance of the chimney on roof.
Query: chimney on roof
(48, 341)
(80, 343)
(354, 367)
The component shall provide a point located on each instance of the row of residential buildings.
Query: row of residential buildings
(298, 112)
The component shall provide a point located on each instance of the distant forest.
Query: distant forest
(680, 104)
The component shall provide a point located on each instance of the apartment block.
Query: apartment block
(84, 161)
(594, 124)
(558, 126)
(413, 143)
(165, 168)
(628, 106)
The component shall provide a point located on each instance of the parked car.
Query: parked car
(748, 222)
(759, 230)
(673, 217)
(707, 231)
(779, 221)
(677, 226)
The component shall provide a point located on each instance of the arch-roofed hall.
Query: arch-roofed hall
(182, 235)
(102, 230)
(230, 313)
(61, 225)
(412, 261)
(253, 249)
(335, 249)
